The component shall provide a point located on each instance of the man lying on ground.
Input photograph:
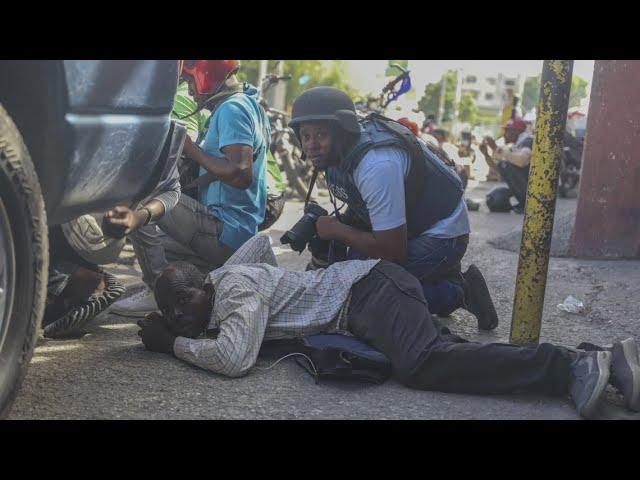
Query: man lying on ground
(219, 323)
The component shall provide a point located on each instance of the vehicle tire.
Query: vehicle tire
(24, 260)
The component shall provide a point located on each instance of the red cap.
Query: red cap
(413, 126)
(209, 75)
(516, 124)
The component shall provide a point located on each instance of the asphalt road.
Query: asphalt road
(107, 374)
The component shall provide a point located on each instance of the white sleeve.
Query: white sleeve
(380, 180)
(255, 250)
(244, 317)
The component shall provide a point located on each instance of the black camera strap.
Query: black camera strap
(312, 183)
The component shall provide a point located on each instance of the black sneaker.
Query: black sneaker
(519, 209)
(70, 325)
(590, 377)
(477, 299)
(625, 372)
(472, 205)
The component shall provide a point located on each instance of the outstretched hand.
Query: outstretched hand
(121, 221)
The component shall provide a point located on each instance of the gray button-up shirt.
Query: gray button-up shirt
(256, 300)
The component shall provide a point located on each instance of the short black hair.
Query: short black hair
(174, 283)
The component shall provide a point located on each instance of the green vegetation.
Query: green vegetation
(531, 92)
(316, 72)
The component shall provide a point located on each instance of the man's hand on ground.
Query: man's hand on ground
(155, 335)
(150, 318)
(121, 221)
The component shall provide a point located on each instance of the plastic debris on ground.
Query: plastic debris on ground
(571, 305)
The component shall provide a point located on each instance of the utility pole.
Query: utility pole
(456, 102)
(533, 263)
(280, 90)
(262, 72)
(443, 89)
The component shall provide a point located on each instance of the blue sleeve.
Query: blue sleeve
(380, 180)
(235, 125)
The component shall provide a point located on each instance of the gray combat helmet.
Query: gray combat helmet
(325, 103)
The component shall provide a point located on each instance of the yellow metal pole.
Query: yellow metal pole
(533, 263)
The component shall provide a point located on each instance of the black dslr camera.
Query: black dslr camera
(304, 233)
(305, 229)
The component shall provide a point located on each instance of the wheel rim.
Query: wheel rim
(7, 272)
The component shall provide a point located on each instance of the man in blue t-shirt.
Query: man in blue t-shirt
(372, 175)
(232, 189)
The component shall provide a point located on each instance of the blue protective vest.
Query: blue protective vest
(432, 189)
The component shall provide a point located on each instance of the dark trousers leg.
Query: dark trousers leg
(388, 311)
(517, 178)
(435, 262)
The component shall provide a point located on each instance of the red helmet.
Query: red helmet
(413, 126)
(208, 75)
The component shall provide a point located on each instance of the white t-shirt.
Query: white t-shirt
(380, 179)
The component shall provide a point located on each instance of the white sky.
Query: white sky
(368, 75)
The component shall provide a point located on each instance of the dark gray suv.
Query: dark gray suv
(76, 136)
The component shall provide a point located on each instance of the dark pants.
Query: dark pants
(64, 261)
(388, 310)
(435, 262)
(516, 178)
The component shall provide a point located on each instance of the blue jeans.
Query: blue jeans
(435, 262)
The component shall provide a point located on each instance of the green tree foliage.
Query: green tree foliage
(468, 110)
(431, 98)
(392, 71)
(531, 92)
(319, 72)
(578, 91)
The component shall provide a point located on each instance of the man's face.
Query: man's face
(187, 317)
(186, 313)
(511, 135)
(317, 142)
(199, 99)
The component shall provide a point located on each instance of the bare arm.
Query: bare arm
(385, 244)
(235, 168)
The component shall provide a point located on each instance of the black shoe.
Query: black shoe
(519, 209)
(625, 372)
(472, 205)
(590, 374)
(477, 299)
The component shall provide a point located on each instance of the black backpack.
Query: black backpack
(332, 355)
(498, 199)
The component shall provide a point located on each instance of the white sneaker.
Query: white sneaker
(137, 305)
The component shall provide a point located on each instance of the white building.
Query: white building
(492, 92)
